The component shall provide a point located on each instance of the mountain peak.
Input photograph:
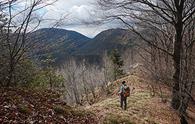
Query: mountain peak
(60, 30)
(116, 31)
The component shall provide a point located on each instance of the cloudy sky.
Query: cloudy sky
(74, 15)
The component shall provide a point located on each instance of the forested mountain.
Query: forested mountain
(60, 43)
(106, 41)
(57, 43)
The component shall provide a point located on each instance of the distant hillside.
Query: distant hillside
(61, 43)
(56, 42)
(106, 41)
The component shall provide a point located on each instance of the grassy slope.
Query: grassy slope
(143, 107)
(35, 106)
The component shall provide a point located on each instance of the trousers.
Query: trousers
(123, 102)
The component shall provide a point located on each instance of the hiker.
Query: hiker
(124, 92)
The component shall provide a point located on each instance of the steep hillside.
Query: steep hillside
(27, 106)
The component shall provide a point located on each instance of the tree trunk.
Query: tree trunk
(11, 71)
(177, 60)
(176, 77)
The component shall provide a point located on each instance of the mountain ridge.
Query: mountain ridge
(106, 41)
(62, 43)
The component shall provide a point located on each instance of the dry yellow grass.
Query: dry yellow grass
(143, 107)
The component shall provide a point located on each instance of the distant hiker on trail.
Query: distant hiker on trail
(124, 92)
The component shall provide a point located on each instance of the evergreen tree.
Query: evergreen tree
(117, 63)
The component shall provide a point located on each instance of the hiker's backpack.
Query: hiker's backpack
(126, 91)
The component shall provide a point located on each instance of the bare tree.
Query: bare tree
(19, 22)
(108, 69)
(82, 80)
(70, 73)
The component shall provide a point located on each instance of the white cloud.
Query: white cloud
(81, 12)
(78, 11)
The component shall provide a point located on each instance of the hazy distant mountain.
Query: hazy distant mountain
(60, 43)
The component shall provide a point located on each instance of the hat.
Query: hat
(123, 82)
